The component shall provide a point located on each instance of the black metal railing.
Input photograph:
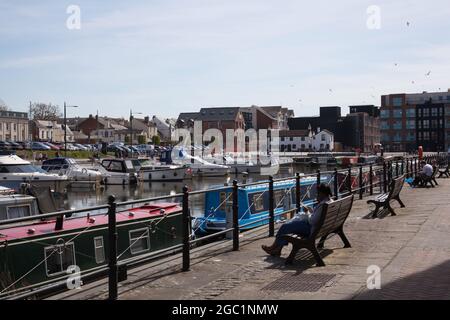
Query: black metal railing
(363, 180)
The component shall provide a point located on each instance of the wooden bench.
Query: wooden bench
(384, 200)
(331, 221)
(444, 172)
(430, 180)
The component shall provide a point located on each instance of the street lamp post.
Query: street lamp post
(65, 127)
(131, 129)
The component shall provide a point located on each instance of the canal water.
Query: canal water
(78, 198)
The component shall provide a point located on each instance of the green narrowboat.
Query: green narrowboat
(36, 254)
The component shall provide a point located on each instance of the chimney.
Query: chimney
(90, 116)
(147, 120)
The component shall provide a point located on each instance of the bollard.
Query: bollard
(112, 257)
(297, 192)
(235, 216)
(360, 182)
(271, 208)
(371, 179)
(186, 235)
(336, 186)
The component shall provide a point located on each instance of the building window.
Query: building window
(397, 125)
(58, 258)
(384, 125)
(426, 124)
(398, 113)
(323, 137)
(434, 112)
(425, 113)
(139, 241)
(410, 113)
(426, 136)
(410, 124)
(397, 101)
(385, 114)
(99, 249)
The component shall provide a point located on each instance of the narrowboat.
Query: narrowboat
(82, 242)
(253, 203)
(14, 171)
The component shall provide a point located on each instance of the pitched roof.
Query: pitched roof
(294, 133)
(218, 113)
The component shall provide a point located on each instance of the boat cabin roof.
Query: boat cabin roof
(12, 160)
(47, 228)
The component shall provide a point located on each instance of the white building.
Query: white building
(51, 131)
(14, 126)
(306, 140)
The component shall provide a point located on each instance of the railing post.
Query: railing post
(112, 257)
(371, 179)
(402, 168)
(186, 235)
(349, 181)
(396, 169)
(297, 192)
(235, 217)
(336, 184)
(318, 179)
(271, 208)
(360, 182)
(416, 166)
(384, 177)
(407, 166)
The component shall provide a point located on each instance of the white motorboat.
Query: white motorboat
(14, 171)
(119, 171)
(74, 171)
(150, 171)
(242, 165)
(201, 167)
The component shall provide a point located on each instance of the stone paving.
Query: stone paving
(412, 250)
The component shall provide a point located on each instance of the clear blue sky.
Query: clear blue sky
(164, 57)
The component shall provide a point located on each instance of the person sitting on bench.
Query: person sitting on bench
(427, 171)
(302, 223)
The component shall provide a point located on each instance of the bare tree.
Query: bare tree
(45, 111)
(3, 106)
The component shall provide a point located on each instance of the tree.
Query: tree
(156, 140)
(142, 139)
(3, 106)
(44, 111)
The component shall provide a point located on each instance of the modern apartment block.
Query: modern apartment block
(412, 120)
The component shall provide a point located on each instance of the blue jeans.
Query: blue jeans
(296, 226)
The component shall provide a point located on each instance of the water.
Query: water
(78, 198)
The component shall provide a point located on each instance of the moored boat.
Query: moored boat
(82, 243)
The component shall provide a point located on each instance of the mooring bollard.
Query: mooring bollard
(298, 199)
(235, 216)
(336, 184)
(271, 208)
(112, 258)
(186, 235)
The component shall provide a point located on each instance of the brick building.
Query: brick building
(412, 120)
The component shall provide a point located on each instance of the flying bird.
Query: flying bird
(407, 23)
(428, 73)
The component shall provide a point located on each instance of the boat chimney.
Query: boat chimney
(59, 222)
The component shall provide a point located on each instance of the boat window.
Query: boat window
(58, 258)
(129, 165)
(18, 211)
(115, 166)
(278, 198)
(225, 204)
(99, 249)
(21, 168)
(258, 202)
(139, 240)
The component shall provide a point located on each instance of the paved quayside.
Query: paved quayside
(412, 249)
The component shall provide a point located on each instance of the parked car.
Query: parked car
(51, 145)
(39, 146)
(15, 145)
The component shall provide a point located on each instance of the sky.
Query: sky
(163, 57)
